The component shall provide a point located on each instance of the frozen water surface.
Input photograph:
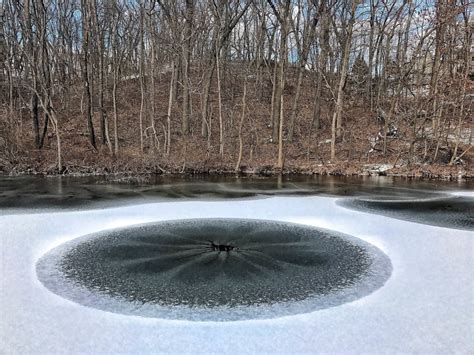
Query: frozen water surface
(446, 211)
(426, 304)
(214, 269)
(30, 193)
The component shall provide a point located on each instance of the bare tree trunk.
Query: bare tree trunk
(242, 118)
(42, 79)
(33, 68)
(186, 58)
(35, 116)
(333, 136)
(280, 83)
(321, 63)
(114, 99)
(337, 116)
(303, 51)
(170, 104)
(142, 74)
(370, 93)
(205, 119)
(115, 77)
(222, 31)
(152, 84)
(466, 64)
(86, 70)
(54, 121)
(45, 128)
(272, 109)
(100, 55)
(294, 110)
(221, 126)
(280, 137)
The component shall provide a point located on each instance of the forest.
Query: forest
(343, 87)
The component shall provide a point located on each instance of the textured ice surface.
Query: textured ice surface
(425, 306)
(214, 269)
(22, 194)
(444, 211)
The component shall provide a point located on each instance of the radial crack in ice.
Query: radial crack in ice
(217, 269)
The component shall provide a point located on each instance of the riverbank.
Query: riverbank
(360, 151)
(129, 171)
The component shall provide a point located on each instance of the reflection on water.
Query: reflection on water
(418, 201)
(75, 192)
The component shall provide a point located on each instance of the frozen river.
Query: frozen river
(424, 304)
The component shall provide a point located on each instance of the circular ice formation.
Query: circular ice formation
(214, 269)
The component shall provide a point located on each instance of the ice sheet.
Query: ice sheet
(427, 305)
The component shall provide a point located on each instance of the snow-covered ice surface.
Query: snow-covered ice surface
(427, 304)
(462, 193)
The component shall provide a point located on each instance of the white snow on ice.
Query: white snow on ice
(462, 193)
(427, 305)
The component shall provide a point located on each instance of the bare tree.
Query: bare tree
(172, 73)
(336, 126)
(86, 70)
(282, 15)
